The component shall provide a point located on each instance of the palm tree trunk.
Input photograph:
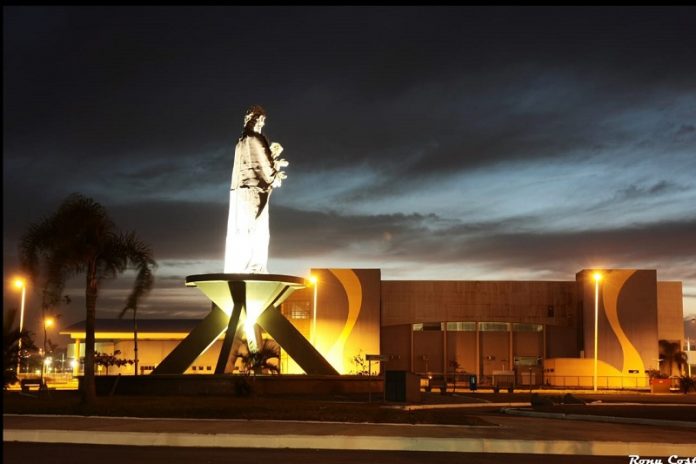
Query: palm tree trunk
(89, 392)
(135, 340)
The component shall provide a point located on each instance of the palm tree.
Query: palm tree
(671, 353)
(257, 361)
(142, 284)
(80, 237)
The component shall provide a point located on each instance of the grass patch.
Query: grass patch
(687, 413)
(223, 407)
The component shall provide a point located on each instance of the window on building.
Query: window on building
(297, 310)
(549, 311)
(193, 368)
(527, 360)
(427, 326)
(527, 327)
(494, 326)
(461, 327)
(208, 368)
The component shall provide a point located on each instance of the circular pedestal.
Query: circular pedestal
(261, 290)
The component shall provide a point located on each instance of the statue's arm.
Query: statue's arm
(264, 166)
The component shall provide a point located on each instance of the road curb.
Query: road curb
(595, 418)
(415, 407)
(349, 442)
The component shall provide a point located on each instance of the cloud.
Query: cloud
(177, 229)
(634, 191)
(453, 138)
(432, 239)
(685, 130)
(499, 77)
(403, 245)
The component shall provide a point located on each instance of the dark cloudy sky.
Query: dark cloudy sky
(433, 143)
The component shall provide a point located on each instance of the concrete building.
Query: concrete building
(542, 331)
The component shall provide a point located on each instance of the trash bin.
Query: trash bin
(472, 383)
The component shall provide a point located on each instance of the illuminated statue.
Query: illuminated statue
(248, 298)
(256, 172)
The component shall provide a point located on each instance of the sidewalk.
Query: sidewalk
(511, 435)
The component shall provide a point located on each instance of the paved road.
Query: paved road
(22, 453)
(508, 428)
(511, 435)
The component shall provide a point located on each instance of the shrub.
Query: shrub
(686, 383)
(242, 387)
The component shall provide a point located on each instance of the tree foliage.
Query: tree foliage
(360, 364)
(672, 354)
(259, 361)
(687, 383)
(11, 352)
(80, 238)
(108, 360)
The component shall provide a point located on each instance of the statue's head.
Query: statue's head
(255, 118)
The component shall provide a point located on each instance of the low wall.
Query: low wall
(192, 384)
(579, 373)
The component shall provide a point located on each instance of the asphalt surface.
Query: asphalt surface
(512, 434)
(21, 453)
(515, 439)
(509, 427)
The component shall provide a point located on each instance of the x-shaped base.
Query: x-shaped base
(237, 287)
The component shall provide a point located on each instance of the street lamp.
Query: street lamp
(315, 284)
(688, 348)
(47, 322)
(20, 283)
(597, 277)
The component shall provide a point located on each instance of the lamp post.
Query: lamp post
(20, 283)
(597, 277)
(315, 284)
(47, 322)
(688, 349)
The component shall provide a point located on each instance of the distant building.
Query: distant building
(543, 331)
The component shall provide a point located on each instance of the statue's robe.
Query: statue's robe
(248, 235)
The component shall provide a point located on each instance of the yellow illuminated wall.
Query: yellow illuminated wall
(627, 322)
(152, 349)
(347, 316)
